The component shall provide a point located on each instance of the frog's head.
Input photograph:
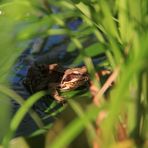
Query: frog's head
(74, 78)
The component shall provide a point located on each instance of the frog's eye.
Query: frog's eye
(75, 72)
(71, 77)
(67, 78)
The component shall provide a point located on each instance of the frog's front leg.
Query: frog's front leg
(55, 94)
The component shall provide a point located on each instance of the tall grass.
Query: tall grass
(120, 28)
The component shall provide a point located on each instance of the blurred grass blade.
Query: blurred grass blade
(117, 96)
(20, 115)
(108, 20)
(84, 9)
(8, 20)
(56, 31)
(74, 128)
(145, 104)
(77, 108)
(4, 115)
(13, 95)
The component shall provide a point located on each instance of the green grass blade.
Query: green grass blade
(74, 128)
(13, 95)
(81, 114)
(20, 115)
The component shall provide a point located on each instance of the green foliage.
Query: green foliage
(20, 115)
(75, 127)
(120, 30)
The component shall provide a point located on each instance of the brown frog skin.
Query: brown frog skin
(55, 78)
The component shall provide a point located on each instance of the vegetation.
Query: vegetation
(120, 28)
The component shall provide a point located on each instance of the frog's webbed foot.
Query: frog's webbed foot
(59, 99)
(55, 94)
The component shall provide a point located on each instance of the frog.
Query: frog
(55, 78)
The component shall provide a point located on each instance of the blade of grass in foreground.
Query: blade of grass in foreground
(79, 111)
(19, 116)
(74, 128)
(117, 99)
(145, 105)
(10, 93)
